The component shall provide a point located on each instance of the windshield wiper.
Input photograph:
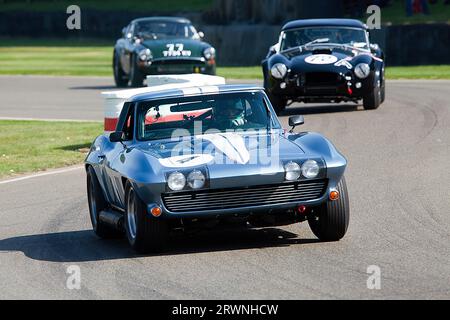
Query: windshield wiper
(300, 48)
(319, 40)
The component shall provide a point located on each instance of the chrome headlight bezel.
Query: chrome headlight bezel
(209, 53)
(176, 181)
(310, 169)
(292, 171)
(362, 70)
(278, 70)
(145, 54)
(196, 179)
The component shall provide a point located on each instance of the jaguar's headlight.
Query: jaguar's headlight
(196, 179)
(176, 181)
(292, 171)
(278, 70)
(362, 70)
(310, 169)
(209, 53)
(145, 54)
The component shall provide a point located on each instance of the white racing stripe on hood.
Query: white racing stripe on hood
(230, 144)
(188, 160)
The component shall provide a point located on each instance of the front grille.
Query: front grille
(176, 62)
(321, 79)
(217, 199)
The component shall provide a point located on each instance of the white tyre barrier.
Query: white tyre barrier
(114, 100)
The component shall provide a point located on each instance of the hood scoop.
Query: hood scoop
(322, 51)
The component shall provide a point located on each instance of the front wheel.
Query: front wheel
(372, 100)
(145, 233)
(136, 75)
(383, 93)
(97, 203)
(120, 78)
(330, 221)
(278, 103)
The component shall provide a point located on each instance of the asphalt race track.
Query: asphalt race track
(398, 179)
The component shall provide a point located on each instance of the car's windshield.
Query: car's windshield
(164, 29)
(197, 114)
(321, 35)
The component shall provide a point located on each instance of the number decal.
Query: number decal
(176, 50)
(320, 59)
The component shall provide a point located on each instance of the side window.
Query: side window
(128, 126)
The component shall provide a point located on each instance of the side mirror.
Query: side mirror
(201, 34)
(295, 121)
(117, 136)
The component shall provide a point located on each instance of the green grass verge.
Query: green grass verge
(56, 60)
(110, 5)
(29, 146)
(91, 58)
(419, 72)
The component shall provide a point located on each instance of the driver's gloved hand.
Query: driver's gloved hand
(238, 122)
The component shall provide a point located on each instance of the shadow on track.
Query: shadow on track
(304, 109)
(83, 245)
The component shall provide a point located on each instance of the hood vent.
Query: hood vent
(322, 51)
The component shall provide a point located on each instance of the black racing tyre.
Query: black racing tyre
(120, 77)
(373, 99)
(97, 203)
(383, 93)
(330, 221)
(278, 103)
(145, 233)
(136, 75)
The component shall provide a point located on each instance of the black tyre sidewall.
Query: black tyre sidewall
(373, 99)
(136, 76)
(278, 103)
(151, 233)
(333, 216)
(118, 73)
(100, 228)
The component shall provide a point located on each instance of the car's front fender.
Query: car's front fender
(317, 145)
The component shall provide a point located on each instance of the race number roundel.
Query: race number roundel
(321, 59)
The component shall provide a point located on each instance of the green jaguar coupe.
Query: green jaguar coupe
(160, 45)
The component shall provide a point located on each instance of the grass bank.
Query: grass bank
(30, 146)
(93, 58)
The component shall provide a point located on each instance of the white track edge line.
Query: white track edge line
(37, 175)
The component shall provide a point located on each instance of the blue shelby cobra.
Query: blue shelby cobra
(201, 156)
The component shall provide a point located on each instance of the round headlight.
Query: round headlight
(310, 169)
(176, 181)
(196, 179)
(278, 70)
(145, 54)
(209, 53)
(362, 70)
(292, 171)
